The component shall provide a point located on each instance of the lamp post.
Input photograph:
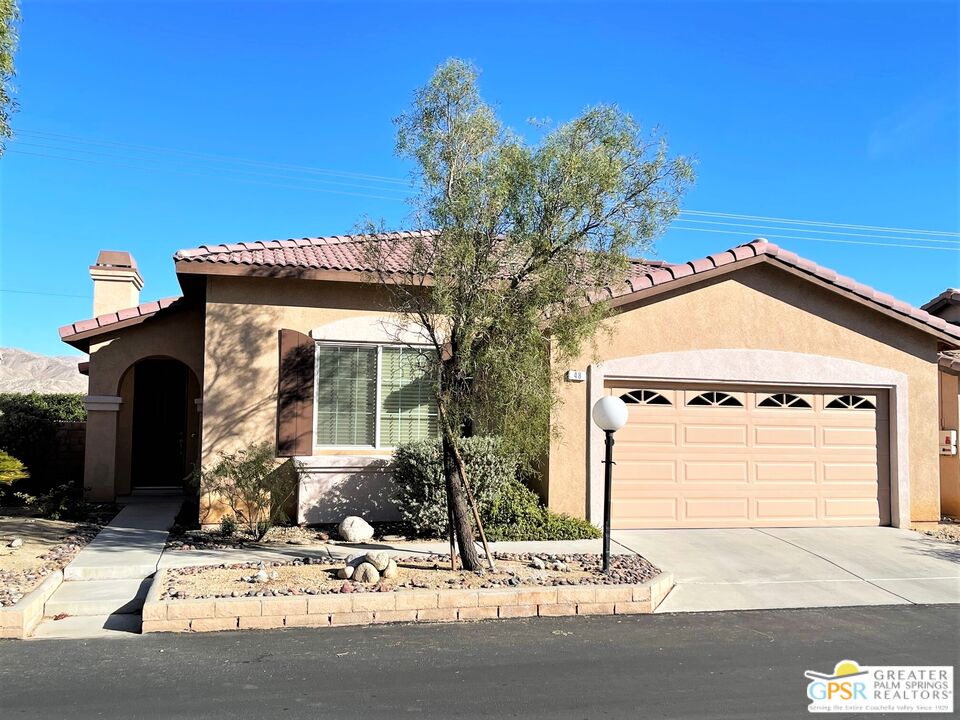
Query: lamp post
(610, 414)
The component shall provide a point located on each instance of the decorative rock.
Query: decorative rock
(16, 542)
(538, 564)
(345, 573)
(346, 588)
(355, 529)
(366, 573)
(261, 576)
(380, 560)
(274, 575)
(391, 570)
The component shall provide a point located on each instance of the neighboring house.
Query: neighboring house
(947, 306)
(764, 390)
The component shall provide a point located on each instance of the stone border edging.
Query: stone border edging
(205, 615)
(21, 618)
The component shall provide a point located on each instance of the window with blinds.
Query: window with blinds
(408, 410)
(346, 391)
(373, 396)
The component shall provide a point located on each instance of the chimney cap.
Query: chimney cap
(116, 258)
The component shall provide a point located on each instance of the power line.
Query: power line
(256, 173)
(823, 240)
(819, 223)
(824, 232)
(220, 158)
(48, 294)
(203, 175)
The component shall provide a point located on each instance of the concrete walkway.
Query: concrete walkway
(105, 585)
(747, 569)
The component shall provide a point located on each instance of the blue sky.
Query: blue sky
(833, 112)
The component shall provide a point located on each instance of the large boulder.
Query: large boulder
(366, 573)
(355, 529)
(378, 559)
(391, 570)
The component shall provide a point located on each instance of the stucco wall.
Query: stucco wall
(757, 308)
(241, 362)
(177, 335)
(950, 464)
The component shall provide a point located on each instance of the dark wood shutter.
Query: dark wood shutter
(295, 395)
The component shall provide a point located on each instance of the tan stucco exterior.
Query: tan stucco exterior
(760, 307)
(950, 464)
(227, 335)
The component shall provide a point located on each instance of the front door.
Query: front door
(159, 424)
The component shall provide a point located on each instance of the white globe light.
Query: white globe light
(610, 413)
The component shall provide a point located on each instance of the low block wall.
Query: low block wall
(403, 606)
(20, 619)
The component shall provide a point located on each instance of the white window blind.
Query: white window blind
(346, 395)
(358, 406)
(408, 410)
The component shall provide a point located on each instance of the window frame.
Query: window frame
(377, 395)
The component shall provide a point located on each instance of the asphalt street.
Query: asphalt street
(711, 665)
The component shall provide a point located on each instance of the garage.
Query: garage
(702, 456)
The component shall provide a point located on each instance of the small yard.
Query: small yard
(947, 530)
(31, 548)
(308, 577)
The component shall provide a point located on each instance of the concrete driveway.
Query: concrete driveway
(747, 569)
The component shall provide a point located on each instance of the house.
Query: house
(763, 389)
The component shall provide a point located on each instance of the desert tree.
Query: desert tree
(9, 37)
(517, 239)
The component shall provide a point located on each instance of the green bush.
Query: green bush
(420, 492)
(255, 486)
(11, 469)
(28, 426)
(62, 502)
(509, 509)
(517, 514)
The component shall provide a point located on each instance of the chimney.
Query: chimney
(116, 282)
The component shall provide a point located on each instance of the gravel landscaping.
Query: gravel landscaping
(32, 548)
(312, 577)
(280, 535)
(947, 530)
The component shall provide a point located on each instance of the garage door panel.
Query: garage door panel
(715, 472)
(731, 466)
(850, 437)
(850, 472)
(785, 436)
(802, 510)
(649, 433)
(652, 472)
(781, 473)
(715, 435)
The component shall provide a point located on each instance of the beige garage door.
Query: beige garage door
(702, 457)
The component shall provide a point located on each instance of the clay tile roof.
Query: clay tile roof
(332, 252)
(950, 362)
(762, 248)
(950, 296)
(127, 316)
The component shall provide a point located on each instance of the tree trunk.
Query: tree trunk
(461, 514)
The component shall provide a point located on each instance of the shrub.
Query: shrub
(11, 469)
(517, 514)
(28, 426)
(419, 488)
(509, 509)
(62, 502)
(228, 525)
(254, 485)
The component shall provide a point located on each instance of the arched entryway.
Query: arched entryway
(164, 425)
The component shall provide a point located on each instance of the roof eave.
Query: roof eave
(623, 302)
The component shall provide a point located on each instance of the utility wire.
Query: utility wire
(822, 232)
(817, 239)
(819, 223)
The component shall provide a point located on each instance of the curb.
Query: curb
(19, 620)
(366, 608)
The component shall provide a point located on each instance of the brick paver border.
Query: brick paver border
(403, 606)
(21, 618)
